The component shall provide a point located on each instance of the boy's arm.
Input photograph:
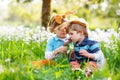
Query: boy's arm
(99, 55)
(60, 49)
(63, 48)
(95, 56)
(94, 49)
(51, 54)
(87, 54)
(49, 50)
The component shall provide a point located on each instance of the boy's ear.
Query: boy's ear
(81, 32)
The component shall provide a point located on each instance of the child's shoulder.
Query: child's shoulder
(92, 42)
(52, 38)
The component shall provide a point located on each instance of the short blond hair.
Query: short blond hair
(76, 25)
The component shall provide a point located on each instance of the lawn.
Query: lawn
(16, 56)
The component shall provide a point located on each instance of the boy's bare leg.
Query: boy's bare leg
(90, 68)
(75, 65)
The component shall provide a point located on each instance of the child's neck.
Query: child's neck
(81, 39)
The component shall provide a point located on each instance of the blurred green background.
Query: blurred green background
(101, 14)
(25, 41)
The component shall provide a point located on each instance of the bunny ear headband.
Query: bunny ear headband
(57, 20)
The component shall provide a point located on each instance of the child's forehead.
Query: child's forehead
(72, 31)
(58, 27)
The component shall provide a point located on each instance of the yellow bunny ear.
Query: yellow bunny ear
(51, 21)
(68, 13)
(58, 19)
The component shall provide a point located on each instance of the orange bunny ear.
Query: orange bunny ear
(68, 13)
(58, 19)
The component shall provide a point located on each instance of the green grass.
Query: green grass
(21, 55)
(112, 54)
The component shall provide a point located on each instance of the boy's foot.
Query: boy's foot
(88, 72)
(75, 65)
(90, 68)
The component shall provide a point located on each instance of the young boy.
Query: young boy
(60, 36)
(85, 49)
(52, 51)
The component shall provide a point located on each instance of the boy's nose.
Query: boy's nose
(63, 30)
(70, 36)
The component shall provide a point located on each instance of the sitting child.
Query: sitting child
(60, 35)
(85, 49)
(54, 42)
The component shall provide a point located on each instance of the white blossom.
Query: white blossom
(7, 60)
(1, 69)
(39, 34)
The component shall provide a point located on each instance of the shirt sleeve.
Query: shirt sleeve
(50, 45)
(95, 47)
(49, 49)
(99, 56)
(49, 55)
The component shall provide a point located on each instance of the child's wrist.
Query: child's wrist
(54, 54)
(88, 55)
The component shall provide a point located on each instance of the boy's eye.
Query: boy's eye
(71, 33)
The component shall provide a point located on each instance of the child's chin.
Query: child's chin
(63, 37)
(73, 41)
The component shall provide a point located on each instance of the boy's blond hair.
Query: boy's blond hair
(77, 25)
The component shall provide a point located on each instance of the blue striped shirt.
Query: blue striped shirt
(89, 45)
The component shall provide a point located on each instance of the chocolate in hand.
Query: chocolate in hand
(67, 42)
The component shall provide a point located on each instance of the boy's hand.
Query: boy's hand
(63, 48)
(60, 49)
(84, 53)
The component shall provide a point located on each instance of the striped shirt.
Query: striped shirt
(90, 46)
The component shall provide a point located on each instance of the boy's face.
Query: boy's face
(61, 33)
(75, 36)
